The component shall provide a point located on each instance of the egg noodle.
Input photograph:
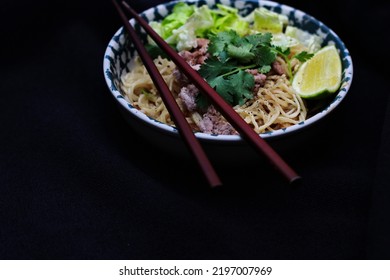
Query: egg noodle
(141, 93)
(274, 106)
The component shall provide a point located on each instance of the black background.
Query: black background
(76, 182)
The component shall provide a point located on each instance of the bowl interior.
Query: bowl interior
(120, 52)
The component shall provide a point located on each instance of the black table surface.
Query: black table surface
(76, 182)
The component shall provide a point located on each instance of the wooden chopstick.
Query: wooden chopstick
(180, 121)
(228, 112)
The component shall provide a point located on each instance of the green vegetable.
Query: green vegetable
(231, 49)
(227, 18)
(231, 55)
(268, 21)
(230, 81)
(196, 26)
(155, 51)
(188, 22)
(179, 16)
(303, 56)
(311, 41)
(284, 53)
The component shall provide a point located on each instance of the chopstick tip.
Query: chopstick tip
(295, 181)
(216, 185)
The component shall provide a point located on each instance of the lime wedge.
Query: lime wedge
(320, 76)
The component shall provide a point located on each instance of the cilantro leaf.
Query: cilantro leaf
(155, 51)
(220, 41)
(264, 55)
(242, 85)
(303, 56)
(234, 89)
(202, 101)
(214, 68)
(224, 88)
(283, 52)
(264, 69)
(259, 39)
(242, 53)
(230, 56)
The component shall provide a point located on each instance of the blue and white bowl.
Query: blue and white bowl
(119, 52)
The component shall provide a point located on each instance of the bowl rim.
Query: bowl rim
(338, 98)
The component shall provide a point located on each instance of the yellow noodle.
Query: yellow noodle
(141, 93)
(273, 107)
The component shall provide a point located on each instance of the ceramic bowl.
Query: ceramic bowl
(119, 53)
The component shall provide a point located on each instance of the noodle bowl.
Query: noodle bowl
(274, 112)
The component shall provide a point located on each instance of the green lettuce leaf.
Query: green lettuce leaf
(179, 16)
(311, 41)
(268, 21)
(227, 18)
(196, 25)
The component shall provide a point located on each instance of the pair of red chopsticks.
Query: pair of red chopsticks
(183, 127)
